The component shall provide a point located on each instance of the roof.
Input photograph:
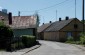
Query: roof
(43, 27)
(3, 14)
(58, 25)
(21, 22)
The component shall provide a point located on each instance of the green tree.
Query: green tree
(82, 21)
(6, 35)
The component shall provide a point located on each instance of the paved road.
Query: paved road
(56, 48)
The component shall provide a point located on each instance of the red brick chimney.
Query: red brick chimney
(10, 18)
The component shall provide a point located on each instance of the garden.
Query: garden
(80, 41)
(10, 43)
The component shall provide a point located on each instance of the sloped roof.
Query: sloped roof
(43, 27)
(21, 22)
(3, 14)
(58, 25)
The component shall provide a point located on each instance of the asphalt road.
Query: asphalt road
(56, 48)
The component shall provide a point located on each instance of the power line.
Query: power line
(47, 7)
(53, 5)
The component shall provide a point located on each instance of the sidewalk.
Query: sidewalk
(26, 50)
(20, 52)
(11, 53)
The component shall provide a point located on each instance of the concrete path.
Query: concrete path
(56, 48)
(11, 53)
(20, 52)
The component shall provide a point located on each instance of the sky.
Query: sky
(48, 10)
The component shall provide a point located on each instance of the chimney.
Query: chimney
(59, 19)
(67, 18)
(18, 13)
(43, 23)
(10, 18)
(50, 21)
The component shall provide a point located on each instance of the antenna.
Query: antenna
(19, 13)
(56, 15)
(75, 8)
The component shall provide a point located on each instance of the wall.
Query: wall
(70, 28)
(54, 36)
(19, 32)
(41, 36)
(62, 36)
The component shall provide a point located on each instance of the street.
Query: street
(56, 48)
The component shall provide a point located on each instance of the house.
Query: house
(62, 29)
(41, 29)
(22, 25)
(3, 17)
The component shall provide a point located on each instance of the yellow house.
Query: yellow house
(62, 29)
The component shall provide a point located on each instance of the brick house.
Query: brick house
(62, 29)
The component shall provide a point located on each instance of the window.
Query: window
(69, 34)
(75, 26)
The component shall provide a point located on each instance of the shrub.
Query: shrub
(6, 35)
(82, 39)
(17, 45)
(70, 39)
(28, 40)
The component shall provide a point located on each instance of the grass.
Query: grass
(75, 42)
(2, 49)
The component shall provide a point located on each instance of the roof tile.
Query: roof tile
(23, 22)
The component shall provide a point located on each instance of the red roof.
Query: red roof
(19, 22)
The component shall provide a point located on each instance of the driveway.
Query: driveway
(56, 48)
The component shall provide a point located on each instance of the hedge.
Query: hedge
(28, 40)
(6, 34)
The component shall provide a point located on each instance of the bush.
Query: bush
(82, 39)
(17, 45)
(70, 40)
(6, 35)
(28, 40)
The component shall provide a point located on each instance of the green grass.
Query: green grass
(2, 49)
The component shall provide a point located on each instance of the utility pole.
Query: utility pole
(75, 8)
(83, 14)
(43, 20)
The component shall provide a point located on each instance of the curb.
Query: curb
(33, 48)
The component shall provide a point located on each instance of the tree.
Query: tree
(82, 21)
(6, 35)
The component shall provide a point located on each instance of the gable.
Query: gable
(70, 26)
(56, 26)
(43, 27)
